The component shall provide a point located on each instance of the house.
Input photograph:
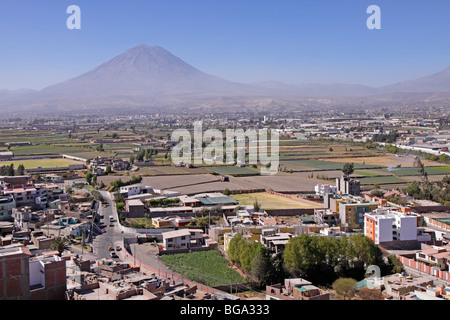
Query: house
(326, 216)
(323, 188)
(6, 155)
(26, 278)
(276, 242)
(173, 240)
(435, 256)
(397, 285)
(24, 195)
(135, 189)
(135, 208)
(170, 222)
(22, 215)
(7, 204)
(295, 289)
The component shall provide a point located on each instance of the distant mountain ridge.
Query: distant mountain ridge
(145, 75)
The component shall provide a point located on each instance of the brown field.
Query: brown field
(386, 161)
(284, 182)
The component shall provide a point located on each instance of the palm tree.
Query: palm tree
(60, 245)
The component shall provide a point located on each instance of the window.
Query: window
(183, 238)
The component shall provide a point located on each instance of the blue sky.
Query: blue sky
(291, 41)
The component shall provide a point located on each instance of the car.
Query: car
(118, 248)
(110, 248)
(111, 219)
(113, 254)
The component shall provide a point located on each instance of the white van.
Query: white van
(111, 219)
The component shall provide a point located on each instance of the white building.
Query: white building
(135, 189)
(322, 189)
(385, 225)
(173, 240)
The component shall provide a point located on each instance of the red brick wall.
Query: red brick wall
(14, 280)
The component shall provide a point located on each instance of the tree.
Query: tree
(10, 170)
(348, 169)
(60, 245)
(88, 177)
(345, 287)
(256, 205)
(21, 170)
(226, 192)
(263, 269)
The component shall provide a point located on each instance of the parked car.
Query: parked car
(113, 254)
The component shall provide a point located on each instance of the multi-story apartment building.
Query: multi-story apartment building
(27, 195)
(386, 225)
(347, 185)
(351, 212)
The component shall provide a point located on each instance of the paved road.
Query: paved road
(105, 233)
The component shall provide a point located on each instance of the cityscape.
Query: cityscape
(331, 192)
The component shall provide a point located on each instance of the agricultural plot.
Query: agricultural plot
(170, 170)
(234, 171)
(415, 172)
(43, 163)
(373, 173)
(206, 267)
(446, 169)
(388, 161)
(43, 150)
(283, 182)
(305, 165)
(381, 180)
(270, 201)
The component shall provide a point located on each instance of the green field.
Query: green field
(206, 267)
(443, 168)
(43, 163)
(272, 202)
(415, 172)
(381, 180)
(322, 165)
(43, 150)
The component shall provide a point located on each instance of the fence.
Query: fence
(419, 266)
(436, 223)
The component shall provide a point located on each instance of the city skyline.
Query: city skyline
(292, 42)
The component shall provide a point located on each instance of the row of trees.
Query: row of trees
(321, 260)
(9, 170)
(391, 137)
(154, 203)
(116, 184)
